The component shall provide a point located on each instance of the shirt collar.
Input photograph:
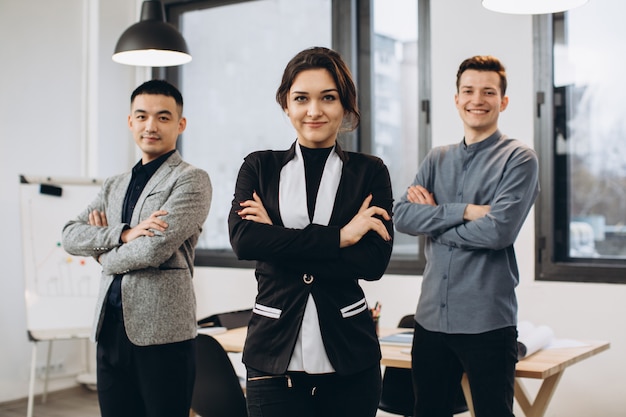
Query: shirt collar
(151, 167)
(495, 136)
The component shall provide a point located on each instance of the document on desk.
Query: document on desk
(212, 330)
(398, 339)
(531, 338)
(565, 343)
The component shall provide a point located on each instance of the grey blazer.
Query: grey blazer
(157, 291)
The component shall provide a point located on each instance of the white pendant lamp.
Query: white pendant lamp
(531, 6)
(152, 42)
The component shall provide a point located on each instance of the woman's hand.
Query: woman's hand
(254, 210)
(363, 222)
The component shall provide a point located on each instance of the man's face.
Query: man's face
(155, 122)
(480, 101)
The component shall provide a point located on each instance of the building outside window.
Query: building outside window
(582, 217)
(230, 85)
(395, 101)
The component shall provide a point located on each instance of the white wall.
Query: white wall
(56, 74)
(41, 111)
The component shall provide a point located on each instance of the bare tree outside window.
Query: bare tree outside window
(590, 127)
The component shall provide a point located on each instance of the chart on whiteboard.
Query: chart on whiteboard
(55, 273)
(58, 274)
(60, 288)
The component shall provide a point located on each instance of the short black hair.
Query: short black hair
(159, 87)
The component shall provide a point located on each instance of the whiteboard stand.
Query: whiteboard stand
(60, 289)
(88, 379)
(37, 337)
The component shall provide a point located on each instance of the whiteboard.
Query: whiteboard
(60, 289)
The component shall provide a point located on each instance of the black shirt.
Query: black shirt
(314, 162)
(141, 176)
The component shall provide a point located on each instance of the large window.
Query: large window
(240, 49)
(395, 107)
(582, 139)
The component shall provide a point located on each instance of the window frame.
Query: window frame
(548, 231)
(352, 37)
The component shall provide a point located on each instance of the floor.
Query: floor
(73, 402)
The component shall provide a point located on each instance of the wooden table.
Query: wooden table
(233, 339)
(547, 365)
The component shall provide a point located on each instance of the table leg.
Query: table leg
(538, 407)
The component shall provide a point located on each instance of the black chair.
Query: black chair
(397, 396)
(230, 319)
(217, 391)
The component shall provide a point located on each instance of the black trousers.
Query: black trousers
(307, 395)
(488, 359)
(143, 381)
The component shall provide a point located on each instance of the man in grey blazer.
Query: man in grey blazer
(143, 227)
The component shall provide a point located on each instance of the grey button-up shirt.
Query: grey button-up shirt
(471, 270)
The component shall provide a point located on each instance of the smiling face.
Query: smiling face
(314, 108)
(155, 122)
(479, 101)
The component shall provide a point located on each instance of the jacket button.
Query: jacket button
(307, 278)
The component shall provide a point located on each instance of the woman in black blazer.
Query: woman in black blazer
(316, 219)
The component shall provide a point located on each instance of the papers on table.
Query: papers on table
(398, 339)
(565, 343)
(211, 330)
(531, 338)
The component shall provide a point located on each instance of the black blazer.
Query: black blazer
(291, 263)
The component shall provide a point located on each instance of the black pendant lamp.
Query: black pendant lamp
(531, 6)
(152, 42)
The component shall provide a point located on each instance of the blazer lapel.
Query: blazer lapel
(346, 171)
(116, 203)
(161, 175)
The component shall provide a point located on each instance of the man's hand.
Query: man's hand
(98, 218)
(363, 222)
(474, 211)
(420, 195)
(254, 210)
(146, 227)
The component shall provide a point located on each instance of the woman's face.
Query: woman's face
(314, 108)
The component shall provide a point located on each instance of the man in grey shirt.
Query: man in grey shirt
(469, 200)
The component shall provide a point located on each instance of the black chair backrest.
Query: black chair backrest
(217, 391)
(407, 321)
(230, 319)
